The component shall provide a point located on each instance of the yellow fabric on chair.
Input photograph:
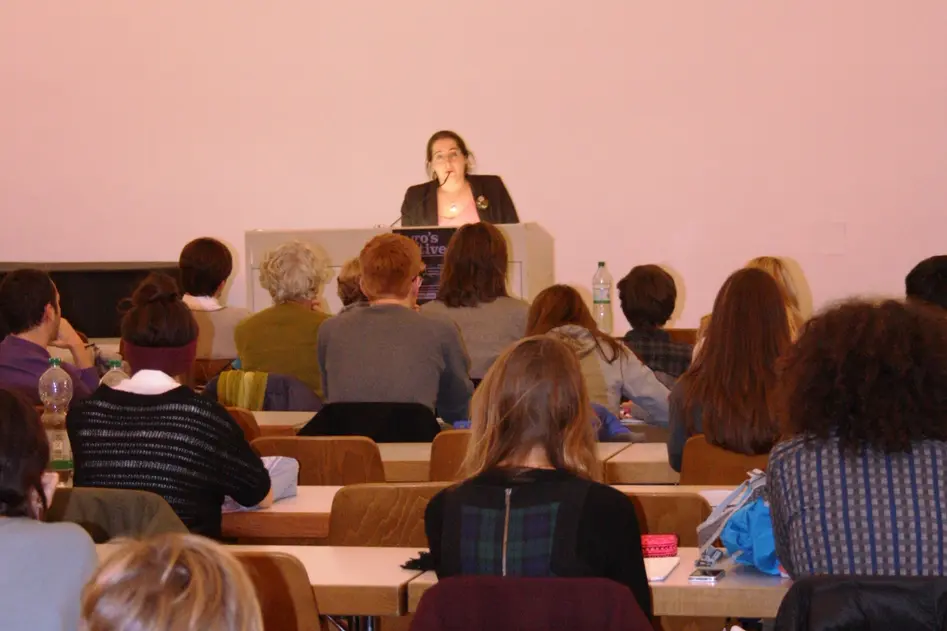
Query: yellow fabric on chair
(242, 389)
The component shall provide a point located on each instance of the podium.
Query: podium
(530, 247)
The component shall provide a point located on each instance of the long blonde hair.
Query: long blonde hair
(172, 582)
(533, 396)
(777, 268)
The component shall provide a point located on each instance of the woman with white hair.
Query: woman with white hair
(282, 339)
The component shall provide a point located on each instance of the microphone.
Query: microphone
(421, 203)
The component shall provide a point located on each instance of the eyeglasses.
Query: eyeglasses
(422, 274)
(451, 156)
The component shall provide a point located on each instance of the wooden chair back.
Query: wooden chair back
(381, 514)
(284, 591)
(447, 455)
(678, 513)
(327, 460)
(246, 421)
(203, 370)
(688, 336)
(704, 463)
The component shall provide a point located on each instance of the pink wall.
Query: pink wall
(693, 134)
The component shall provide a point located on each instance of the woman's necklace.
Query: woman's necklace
(454, 209)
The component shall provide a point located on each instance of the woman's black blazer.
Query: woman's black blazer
(493, 201)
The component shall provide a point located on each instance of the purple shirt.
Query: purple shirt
(22, 363)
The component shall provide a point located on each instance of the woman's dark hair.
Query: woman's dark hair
(24, 454)
(205, 264)
(733, 379)
(157, 316)
(647, 295)
(474, 267)
(441, 135)
(875, 375)
(560, 305)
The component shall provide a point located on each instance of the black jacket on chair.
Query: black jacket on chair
(837, 603)
(382, 422)
(494, 204)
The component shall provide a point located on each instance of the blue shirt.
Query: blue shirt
(22, 363)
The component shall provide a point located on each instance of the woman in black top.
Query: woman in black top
(150, 433)
(452, 196)
(532, 506)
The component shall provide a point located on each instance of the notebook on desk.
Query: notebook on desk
(658, 569)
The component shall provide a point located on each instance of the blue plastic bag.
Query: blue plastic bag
(749, 532)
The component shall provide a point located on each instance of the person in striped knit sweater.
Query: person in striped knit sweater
(150, 433)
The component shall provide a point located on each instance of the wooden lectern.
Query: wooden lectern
(530, 246)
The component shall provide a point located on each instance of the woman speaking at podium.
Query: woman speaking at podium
(454, 196)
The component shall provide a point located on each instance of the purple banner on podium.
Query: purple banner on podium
(433, 244)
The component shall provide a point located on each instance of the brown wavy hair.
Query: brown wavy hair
(475, 266)
(533, 396)
(560, 305)
(733, 379)
(873, 374)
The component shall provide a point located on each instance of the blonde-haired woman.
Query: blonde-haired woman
(532, 461)
(170, 583)
(779, 271)
(282, 339)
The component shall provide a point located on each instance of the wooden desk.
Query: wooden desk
(306, 516)
(641, 463)
(348, 581)
(303, 516)
(411, 462)
(742, 593)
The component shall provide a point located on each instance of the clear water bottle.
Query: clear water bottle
(55, 391)
(602, 298)
(115, 374)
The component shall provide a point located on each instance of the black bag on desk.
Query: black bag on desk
(382, 422)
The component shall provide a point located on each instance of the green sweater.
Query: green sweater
(282, 340)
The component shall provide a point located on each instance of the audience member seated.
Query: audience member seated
(927, 282)
(44, 565)
(171, 583)
(150, 433)
(387, 352)
(648, 296)
(282, 339)
(206, 265)
(611, 371)
(29, 306)
(728, 392)
(348, 287)
(779, 271)
(532, 506)
(473, 294)
(858, 486)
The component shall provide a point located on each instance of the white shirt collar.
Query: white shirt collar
(148, 382)
(202, 303)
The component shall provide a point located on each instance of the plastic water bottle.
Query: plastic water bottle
(115, 374)
(55, 391)
(602, 298)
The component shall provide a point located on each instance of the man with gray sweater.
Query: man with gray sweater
(388, 352)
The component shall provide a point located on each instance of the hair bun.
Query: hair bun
(156, 288)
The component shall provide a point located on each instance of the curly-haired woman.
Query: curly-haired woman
(858, 487)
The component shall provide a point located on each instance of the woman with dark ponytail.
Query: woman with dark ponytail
(44, 565)
(150, 433)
